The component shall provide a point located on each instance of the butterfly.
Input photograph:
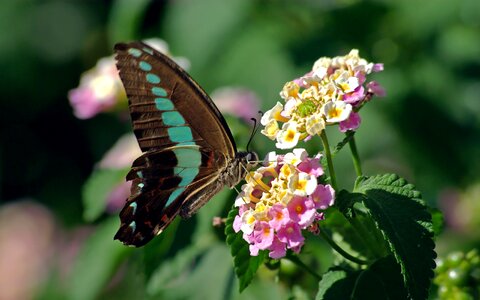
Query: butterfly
(189, 154)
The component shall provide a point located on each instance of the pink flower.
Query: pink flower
(117, 196)
(86, 105)
(277, 249)
(99, 90)
(377, 68)
(240, 102)
(375, 88)
(279, 216)
(311, 166)
(122, 154)
(356, 96)
(253, 250)
(301, 81)
(301, 211)
(323, 196)
(237, 223)
(291, 235)
(262, 235)
(352, 123)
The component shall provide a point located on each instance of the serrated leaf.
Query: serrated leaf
(345, 200)
(98, 260)
(245, 265)
(96, 190)
(383, 275)
(336, 284)
(403, 218)
(382, 280)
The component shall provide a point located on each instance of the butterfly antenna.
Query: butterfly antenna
(256, 126)
(254, 130)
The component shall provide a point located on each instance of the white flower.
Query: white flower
(272, 114)
(288, 137)
(315, 124)
(302, 184)
(336, 111)
(296, 156)
(290, 90)
(271, 129)
(346, 82)
(248, 221)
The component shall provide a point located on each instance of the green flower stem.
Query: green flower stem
(301, 264)
(340, 251)
(328, 154)
(355, 157)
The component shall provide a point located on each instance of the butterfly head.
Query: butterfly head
(248, 160)
(251, 159)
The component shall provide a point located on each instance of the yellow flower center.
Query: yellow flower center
(299, 209)
(279, 216)
(301, 185)
(277, 116)
(290, 135)
(334, 113)
(266, 230)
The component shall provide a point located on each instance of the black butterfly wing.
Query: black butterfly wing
(158, 194)
(186, 141)
(156, 85)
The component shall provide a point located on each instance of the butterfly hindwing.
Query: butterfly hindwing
(159, 190)
(186, 143)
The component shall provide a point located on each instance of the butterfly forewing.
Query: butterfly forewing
(157, 89)
(185, 140)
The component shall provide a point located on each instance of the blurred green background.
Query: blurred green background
(427, 129)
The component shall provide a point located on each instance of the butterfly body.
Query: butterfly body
(189, 152)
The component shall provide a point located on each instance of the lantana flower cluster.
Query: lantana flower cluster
(331, 93)
(280, 200)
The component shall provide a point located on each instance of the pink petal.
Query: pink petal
(375, 88)
(323, 196)
(277, 249)
(352, 123)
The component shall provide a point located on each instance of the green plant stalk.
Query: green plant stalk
(355, 157)
(301, 264)
(340, 251)
(328, 154)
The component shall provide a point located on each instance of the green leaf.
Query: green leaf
(97, 262)
(348, 136)
(204, 275)
(383, 275)
(382, 280)
(96, 190)
(125, 19)
(154, 253)
(336, 284)
(403, 218)
(168, 273)
(211, 35)
(245, 265)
